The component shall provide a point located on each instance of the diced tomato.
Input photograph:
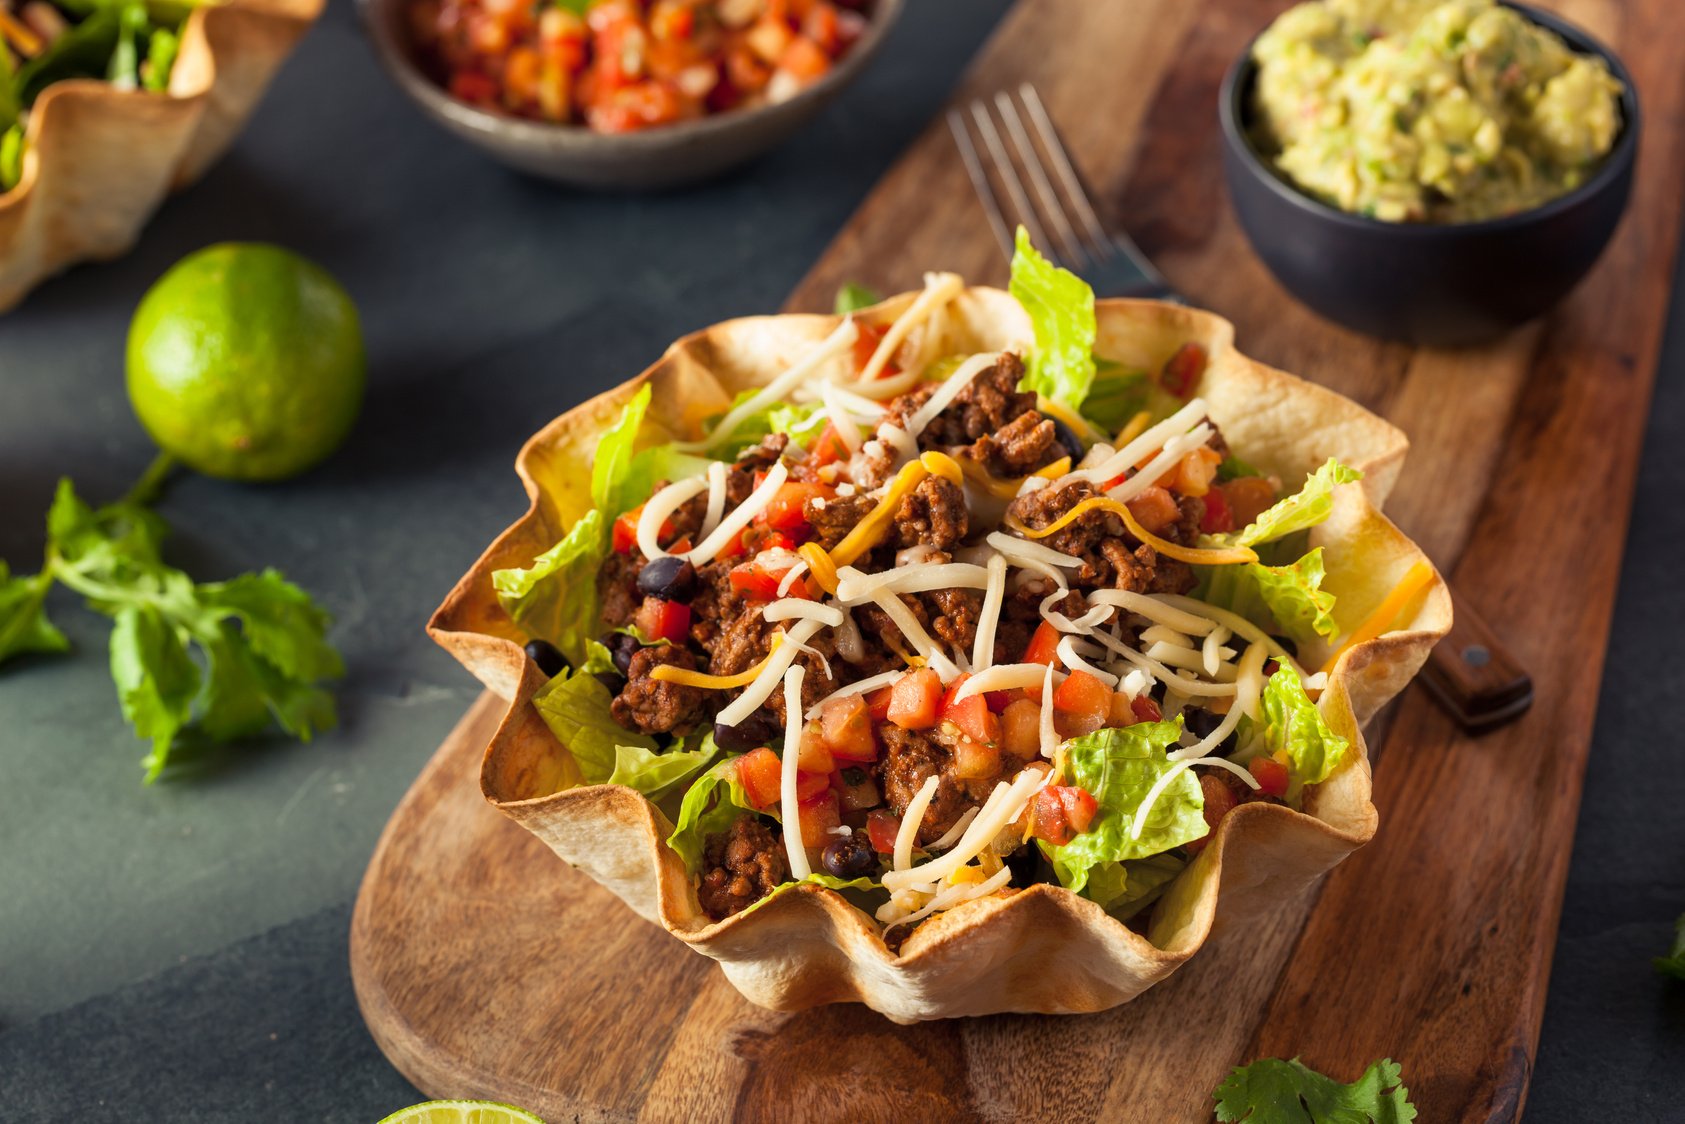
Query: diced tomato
(914, 699)
(804, 60)
(847, 726)
(971, 716)
(818, 816)
(1270, 774)
(1195, 472)
(1082, 693)
(1080, 806)
(1145, 709)
(855, 789)
(1182, 370)
(1218, 517)
(828, 449)
(809, 785)
(784, 512)
(472, 86)
(752, 583)
(812, 754)
(1247, 497)
(1061, 812)
(882, 828)
(778, 540)
(1155, 509)
(878, 703)
(1219, 802)
(734, 546)
(822, 26)
(975, 760)
(762, 775)
(626, 531)
(866, 343)
(1020, 729)
(660, 619)
(1043, 648)
(671, 20)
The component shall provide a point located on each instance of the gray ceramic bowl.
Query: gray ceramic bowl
(655, 158)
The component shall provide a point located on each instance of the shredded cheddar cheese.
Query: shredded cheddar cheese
(1208, 556)
(1133, 428)
(1413, 582)
(819, 564)
(667, 673)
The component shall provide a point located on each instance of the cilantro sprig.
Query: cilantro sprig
(1272, 1091)
(214, 660)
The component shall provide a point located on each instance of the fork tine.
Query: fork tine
(1102, 245)
(980, 182)
(1007, 173)
(1052, 208)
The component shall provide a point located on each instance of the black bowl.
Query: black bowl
(1438, 284)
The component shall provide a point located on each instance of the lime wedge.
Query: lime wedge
(462, 1112)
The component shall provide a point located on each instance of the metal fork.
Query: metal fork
(1109, 260)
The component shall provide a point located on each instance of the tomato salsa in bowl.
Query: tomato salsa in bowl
(625, 93)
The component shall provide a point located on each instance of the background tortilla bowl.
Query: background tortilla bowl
(1042, 949)
(98, 160)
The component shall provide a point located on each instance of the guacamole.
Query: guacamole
(1429, 110)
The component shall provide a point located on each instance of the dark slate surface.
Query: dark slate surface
(492, 302)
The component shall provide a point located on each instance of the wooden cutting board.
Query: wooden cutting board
(486, 967)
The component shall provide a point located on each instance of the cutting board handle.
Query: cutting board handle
(1474, 676)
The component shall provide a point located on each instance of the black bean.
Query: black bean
(669, 577)
(1287, 643)
(850, 856)
(854, 776)
(1028, 866)
(550, 661)
(614, 681)
(751, 733)
(1202, 724)
(621, 648)
(1069, 439)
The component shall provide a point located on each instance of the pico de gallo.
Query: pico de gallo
(927, 627)
(623, 65)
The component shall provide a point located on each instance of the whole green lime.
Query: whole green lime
(246, 362)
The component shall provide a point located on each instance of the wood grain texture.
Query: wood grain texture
(486, 967)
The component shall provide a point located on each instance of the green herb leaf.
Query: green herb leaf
(1061, 309)
(156, 679)
(1272, 1091)
(24, 626)
(555, 598)
(279, 621)
(1312, 504)
(1118, 767)
(1673, 964)
(852, 298)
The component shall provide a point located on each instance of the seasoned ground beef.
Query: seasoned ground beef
(932, 514)
(742, 641)
(834, 518)
(1024, 444)
(1081, 538)
(985, 406)
(764, 455)
(617, 589)
(740, 866)
(823, 674)
(910, 757)
(652, 706)
(954, 614)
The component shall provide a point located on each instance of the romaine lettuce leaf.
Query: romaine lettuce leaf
(575, 706)
(1299, 512)
(651, 465)
(612, 456)
(830, 880)
(1278, 599)
(657, 774)
(556, 597)
(1291, 722)
(1116, 395)
(1118, 766)
(804, 423)
(1061, 308)
(1124, 889)
(852, 297)
(711, 805)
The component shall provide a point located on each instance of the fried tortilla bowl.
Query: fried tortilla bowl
(98, 160)
(1040, 949)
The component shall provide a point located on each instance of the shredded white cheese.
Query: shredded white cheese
(1248, 684)
(1211, 652)
(716, 497)
(950, 897)
(1004, 677)
(939, 289)
(893, 436)
(740, 516)
(1067, 650)
(1239, 625)
(1162, 634)
(911, 819)
(956, 833)
(1048, 734)
(795, 608)
(832, 346)
(854, 587)
(789, 579)
(950, 389)
(848, 431)
(1154, 437)
(1155, 610)
(660, 508)
(988, 621)
(1003, 806)
(799, 869)
(1016, 548)
(1174, 450)
(915, 634)
(758, 691)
